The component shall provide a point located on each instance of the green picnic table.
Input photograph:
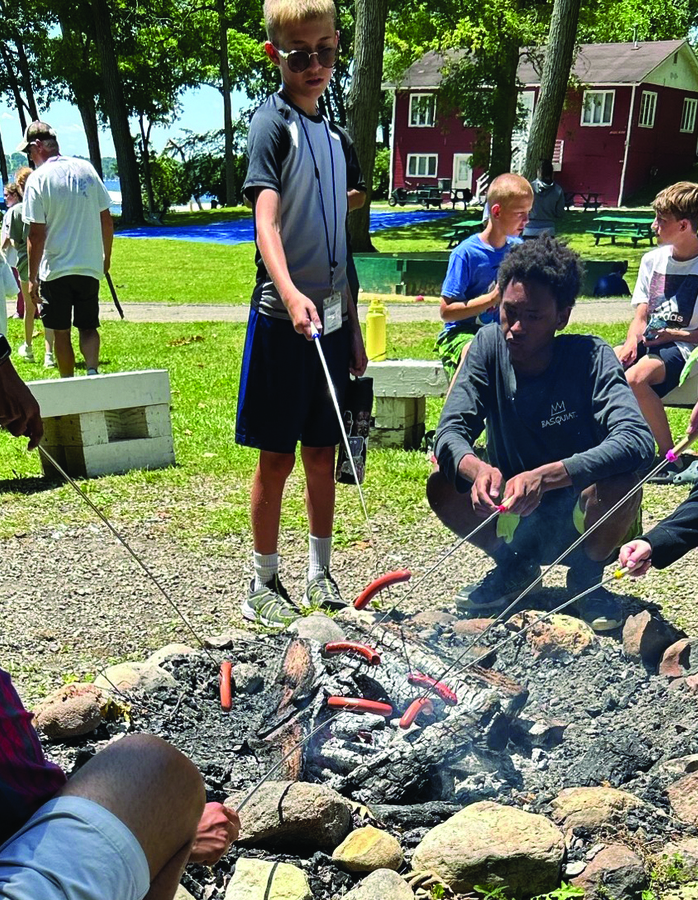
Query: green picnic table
(463, 229)
(637, 228)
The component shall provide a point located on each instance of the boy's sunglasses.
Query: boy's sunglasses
(299, 60)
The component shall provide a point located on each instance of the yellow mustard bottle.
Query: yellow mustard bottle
(376, 341)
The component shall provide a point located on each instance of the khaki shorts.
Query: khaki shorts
(73, 849)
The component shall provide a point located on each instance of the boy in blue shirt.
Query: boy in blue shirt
(301, 181)
(469, 296)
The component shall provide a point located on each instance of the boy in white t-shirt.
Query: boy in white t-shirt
(665, 328)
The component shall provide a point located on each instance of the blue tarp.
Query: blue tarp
(240, 230)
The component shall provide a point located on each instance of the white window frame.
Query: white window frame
(426, 156)
(688, 115)
(586, 108)
(648, 109)
(416, 118)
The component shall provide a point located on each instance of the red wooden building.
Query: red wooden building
(631, 116)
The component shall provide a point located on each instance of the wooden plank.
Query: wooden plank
(122, 456)
(408, 378)
(120, 390)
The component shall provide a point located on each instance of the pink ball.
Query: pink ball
(418, 298)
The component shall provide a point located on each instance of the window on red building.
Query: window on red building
(422, 165)
(597, 108)
(688, 116)
(648, 108)
(422, 110)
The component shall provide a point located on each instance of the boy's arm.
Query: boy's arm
(355, 199)
(301, 309)
(359, 360)
(452, 310)
(640, 300)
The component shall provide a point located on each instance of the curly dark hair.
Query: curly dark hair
(547, 262)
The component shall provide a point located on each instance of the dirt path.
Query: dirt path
(603, 311)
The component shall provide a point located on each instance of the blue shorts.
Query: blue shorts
(283, 395)
(73, 849)
(673, 361)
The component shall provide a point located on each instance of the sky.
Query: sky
(202, 110)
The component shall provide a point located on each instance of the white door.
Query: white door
(462, 172)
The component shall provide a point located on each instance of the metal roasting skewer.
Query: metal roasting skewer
(45, 453)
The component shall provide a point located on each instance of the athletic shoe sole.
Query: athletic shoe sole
(463, 601)
(251, 614)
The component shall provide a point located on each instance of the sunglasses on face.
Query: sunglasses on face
(299, 60)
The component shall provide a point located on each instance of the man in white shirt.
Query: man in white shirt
(70, 241)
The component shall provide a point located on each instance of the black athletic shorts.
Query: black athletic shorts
(71, 294)
(673, 361)
(283, 395)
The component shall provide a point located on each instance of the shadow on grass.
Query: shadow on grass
(30, 484)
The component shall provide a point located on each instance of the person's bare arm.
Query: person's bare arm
(107, 225)
(36, 239)
(301, 309)
(356, 199)
(457, 310)
(359, 360)
(628, 352)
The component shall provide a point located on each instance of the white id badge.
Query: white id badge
(332, 313)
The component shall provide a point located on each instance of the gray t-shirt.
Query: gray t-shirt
(310, 162)
(580, 411)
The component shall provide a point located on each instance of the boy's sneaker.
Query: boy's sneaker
(497, 589)
(92, 372)
(668, 473)
(49, 361)
(26, 352)
(270, 605)
(322, 592)
(600, 609)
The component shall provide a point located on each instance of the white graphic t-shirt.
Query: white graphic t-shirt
(670, 288)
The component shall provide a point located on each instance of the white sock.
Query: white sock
(266, 565)
(320, 551)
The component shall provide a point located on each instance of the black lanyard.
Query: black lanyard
(331, 254)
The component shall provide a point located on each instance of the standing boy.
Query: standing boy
(665, 327)
(470, 296)
(298, 183)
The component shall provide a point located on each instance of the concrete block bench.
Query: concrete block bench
(400, 389)
(401, 386)
(106, 424)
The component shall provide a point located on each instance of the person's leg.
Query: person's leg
(642, 376)
(318, 463)
(49, 340)
(89, 347)
(65, 357)
(29, 315)
(267, 491)
(157, 793)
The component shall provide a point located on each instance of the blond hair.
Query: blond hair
(508, 188)
(21, 176)
(279, 14)
(679, 200)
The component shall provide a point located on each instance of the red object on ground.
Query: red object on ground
(440, 689)
(225, 680)
(420, 705)
(380, 584)
(358, 704)
(371, 656)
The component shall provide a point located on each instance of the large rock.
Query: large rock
(317, 627)
(615, 872)
(72, 710)
(559, 637)
(676, 660)
(368, 849)
(295, 814)
(680, 857)
(646, 637)
(592, 807)
(256, 879)
(134, 676)
(683, 796)
(159, 657)
(487, 843)
(383, 884)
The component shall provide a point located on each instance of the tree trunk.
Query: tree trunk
(25, 71)
(131, 200)
(88, 114)
(363, 104)
(506, 88)
(556, 72)
(14, 85)
(3, 164)
(145, 158)
(230, 185)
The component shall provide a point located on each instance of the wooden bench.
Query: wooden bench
(106, 424)
(401, 386)
(634, 234)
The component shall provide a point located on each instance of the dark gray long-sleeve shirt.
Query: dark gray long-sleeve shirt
(674, 536)
(580, 411)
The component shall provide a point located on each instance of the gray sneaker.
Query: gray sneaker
(270, 605)
(497, 589)
(322, 592)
